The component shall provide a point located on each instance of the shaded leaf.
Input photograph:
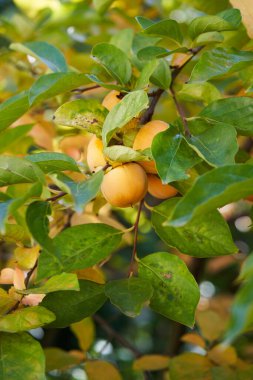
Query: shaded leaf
(129, 295)
(176, 292)
(71, 306)
(101, 6)
(147, 71)
(190, 366)
(83, 192)
(206, 235)
(6, 302)
(37, 221)
(161, 76)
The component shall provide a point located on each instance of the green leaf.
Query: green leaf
(204, 92)
(12, 108)
(63, 281)
(86, 114)
(114, 60)
(228, 20)
(161, 76)
(94, 78)
(144, 22)
(121, 153)
(129, 107)
(48, 54)
(21, 357)
(70, 306)
(173, 156)
(247, 268)
(37, 221)
(123, 40)
(78, 247)
(141, 41)
(129, 295)
(206, 235)
(12, 135)
(165, 28)
(53, 162)
(83, 192)
(208, 38)
(241, 319)
(237, 111)
(218, 62)
(50, 85)
(176, 292)
(15, 170)
(151, 52)
(214, 142)
(143, 80)
(58, 359)
(213, 189)
(26, 319)
(101, 6)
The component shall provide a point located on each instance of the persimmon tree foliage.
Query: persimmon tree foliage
(152, 128)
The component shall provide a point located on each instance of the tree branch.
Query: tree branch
(84, 89)
(136, 226)
(147, 116)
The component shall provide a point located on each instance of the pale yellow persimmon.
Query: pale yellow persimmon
(125, 185)
(158, 190)
(144, 138)
(111, 99)
(95, 156)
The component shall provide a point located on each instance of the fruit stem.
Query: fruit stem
(134, 251)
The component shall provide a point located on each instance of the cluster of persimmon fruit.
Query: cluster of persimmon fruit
(125, 184)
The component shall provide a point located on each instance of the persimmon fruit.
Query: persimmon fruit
(111, 99)
(158, 190)
(125, 185)
(144, 138)
(95, 156)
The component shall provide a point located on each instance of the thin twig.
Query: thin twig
(136, 226)
(57, 196)
(175, 73)
(85, 89)
(112, 333)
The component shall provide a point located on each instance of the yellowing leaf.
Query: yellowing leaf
(98, 370)
(246, 9)
(211, 324)
(223, 355)
(26, 257)
(194, 339)
(85, 333)
(6, 302)
(94, 274)
(151, 363)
